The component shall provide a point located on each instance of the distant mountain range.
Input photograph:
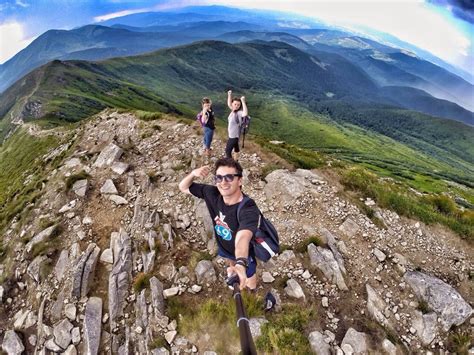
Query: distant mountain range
(145, 32)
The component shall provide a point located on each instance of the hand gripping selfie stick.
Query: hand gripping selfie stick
(246, 341)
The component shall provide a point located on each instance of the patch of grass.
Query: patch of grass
(370, 213)
(285, 331)
(148, 116)
(153, 176)
(3, 251)
(284, 247)
(302, 247)
(156, 127)
(141, 281)
(146, 134)
(158, 342)
(72, 179)
(459, 342)
(49, 245)
(397, 197)
(423, 306)
(197, 256)
(45, 223)
(212, 317)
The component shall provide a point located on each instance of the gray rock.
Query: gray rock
(76, 335)
(169, 336)
(118, 200)
(12, 343)
(170, 292)
(107, 256)
(205, 271)
(34, 269)
(120, 276)
(349, 227)
(356, 340)
(293, 289)
(71, 350)
(425, 326)
(84, 271)
(20, 318)
(324, 260)
(40, 237)
(285, 185)
(108, 156)
(61, 265)
(160, 351)
(108, 188)
(70, 311)
(379, 254)
(51, 345)
(157, 299)
(255, 325)
(286, 256)
(318, 345)
(376, 305)
(441, 298)
(93, 325)
(333, 245)
(267, 277)
(389, 347)
(119, 167)
(80, 187)
(62, 333)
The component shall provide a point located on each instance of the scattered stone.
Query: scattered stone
(70, 311)
(318, 345)
(61, 265)
(205, 272)
(169, 336)
(12, 343)
(425, 326)
(325, 302)
(108, 188)
(107, 257)
(170, 292)
(380, 255)
(62, 333)
(349, 227)
(40, 237)
(267, 277)
(324, 260)
(108, 156)
(157, 296)
(84, 271)
(118, 200)
(356, 340)
(80, 187)
(293, 289)
(119, 167)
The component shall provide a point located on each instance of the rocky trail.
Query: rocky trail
(71, 284)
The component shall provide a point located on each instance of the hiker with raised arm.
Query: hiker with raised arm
(207, 121)
(239, 110)
(233, 232)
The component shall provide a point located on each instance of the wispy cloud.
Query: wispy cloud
(12, 40)
(120, 14)
(21, 3)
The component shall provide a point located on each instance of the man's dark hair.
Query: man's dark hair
(228, 162)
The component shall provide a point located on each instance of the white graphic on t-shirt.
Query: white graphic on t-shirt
(222, 228)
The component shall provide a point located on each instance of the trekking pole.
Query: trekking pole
(243, 141)
(246, 340)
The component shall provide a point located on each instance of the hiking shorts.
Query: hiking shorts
(232, 144)
(251, 270)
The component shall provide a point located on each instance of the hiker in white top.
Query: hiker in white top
(239, 110)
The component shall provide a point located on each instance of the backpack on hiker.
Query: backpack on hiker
(244, 128)
(265, 241)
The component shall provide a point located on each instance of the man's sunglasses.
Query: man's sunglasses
(226, 177)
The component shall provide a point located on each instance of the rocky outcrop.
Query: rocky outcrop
(120, 276)
(12, 343)
(441, 298)
(92, 325)
(84, 271)
(325, 261)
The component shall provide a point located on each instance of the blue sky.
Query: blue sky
(443, 27)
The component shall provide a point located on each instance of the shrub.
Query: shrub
(142, 281)
(268, 168)
(148, 116)
(302, 247)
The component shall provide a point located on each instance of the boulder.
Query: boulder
(441, 297)
(205, 271)
(349, 227)
(40, 237)
(62, 333)
(293, 289)
(108, 156)
(108, 188)
(318, 345)
(80, 187)
(84, 271)
(324, 260)
(356, 340)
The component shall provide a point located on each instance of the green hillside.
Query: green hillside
(288, 94)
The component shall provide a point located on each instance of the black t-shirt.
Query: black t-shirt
(211, 121)
(224, 217)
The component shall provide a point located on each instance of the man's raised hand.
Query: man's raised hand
(201, 172)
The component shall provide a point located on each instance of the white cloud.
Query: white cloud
(21, 3)
(409, 20)
(119, 14)
(12, 40)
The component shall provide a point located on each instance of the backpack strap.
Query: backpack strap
(239, 208)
